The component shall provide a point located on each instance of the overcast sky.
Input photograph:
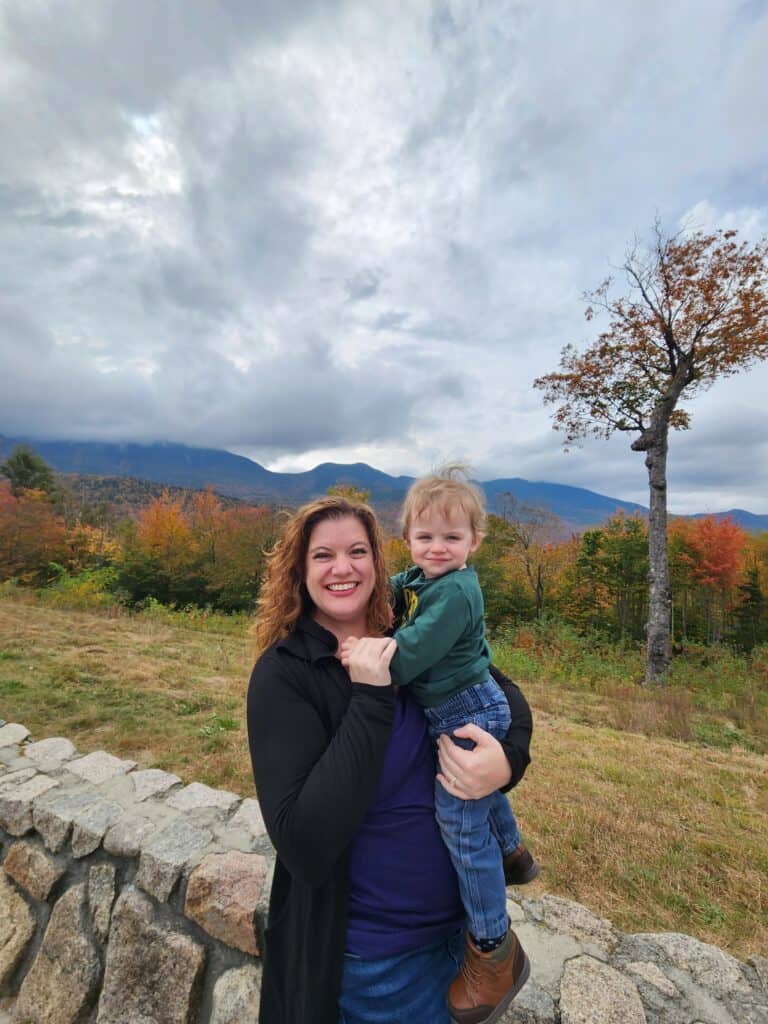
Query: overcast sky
(311, 231)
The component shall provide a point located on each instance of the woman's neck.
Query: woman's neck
(342, 630)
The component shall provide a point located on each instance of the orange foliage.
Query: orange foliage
(712, 550)
(243, 539)
(164, 531)
(31, 536)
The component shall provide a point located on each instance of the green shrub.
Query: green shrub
(92, 588)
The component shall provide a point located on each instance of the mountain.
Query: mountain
(182, 466)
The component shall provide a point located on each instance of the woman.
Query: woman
(365, 919)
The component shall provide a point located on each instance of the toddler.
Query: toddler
(442, 654)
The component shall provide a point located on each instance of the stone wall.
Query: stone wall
(127, 898)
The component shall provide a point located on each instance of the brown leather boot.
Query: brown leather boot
(519, 867)
(488, 982)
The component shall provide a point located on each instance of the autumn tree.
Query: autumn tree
(507, 596)
(696, 309)
(534, 533)
(350, 492)
(161, 557)
(244, 537)
(397, 554)
(707, 563)
(32, 536)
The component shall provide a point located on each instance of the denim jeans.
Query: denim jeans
(409, 988)
(477, 833)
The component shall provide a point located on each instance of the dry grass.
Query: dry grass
(653, 833)
(168, 697)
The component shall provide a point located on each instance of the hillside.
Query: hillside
(180, 466)
(168, 690)
(121, 495)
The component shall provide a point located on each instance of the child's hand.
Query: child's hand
(346, 648)
(369, 659)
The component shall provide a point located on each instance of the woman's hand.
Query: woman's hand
(367, 660)
(471, 774)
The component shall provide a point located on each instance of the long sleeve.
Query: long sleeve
(517, 741)
(314, 790)
(443, 618)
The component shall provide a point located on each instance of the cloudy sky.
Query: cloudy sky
(308, 231)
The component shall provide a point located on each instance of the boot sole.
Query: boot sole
(500, 1009)
(533, 872)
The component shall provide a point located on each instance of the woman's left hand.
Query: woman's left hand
(472, 774)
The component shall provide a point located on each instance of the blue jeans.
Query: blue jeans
(409, 988)
(477, 833)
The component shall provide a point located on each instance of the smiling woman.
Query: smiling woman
(365, 920)
(341, 534)
(340, 574)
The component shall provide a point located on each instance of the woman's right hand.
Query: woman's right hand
(368, 660)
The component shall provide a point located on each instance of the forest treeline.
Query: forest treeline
(193, 550)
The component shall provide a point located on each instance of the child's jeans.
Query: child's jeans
(477, 833)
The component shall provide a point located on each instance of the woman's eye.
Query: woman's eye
(358, 552)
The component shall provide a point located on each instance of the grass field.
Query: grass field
(653, 831)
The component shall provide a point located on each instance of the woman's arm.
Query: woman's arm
(313, 791)
(492, 764)
(517, 742)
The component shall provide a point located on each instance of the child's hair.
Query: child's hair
(446, 489)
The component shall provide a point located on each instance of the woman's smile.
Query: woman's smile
(339, 574)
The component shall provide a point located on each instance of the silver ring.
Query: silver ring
(453, 781)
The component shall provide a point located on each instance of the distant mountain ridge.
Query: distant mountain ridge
(235, 475)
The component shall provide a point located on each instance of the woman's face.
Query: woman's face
(340, 574)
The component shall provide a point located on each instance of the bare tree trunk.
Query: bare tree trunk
(659, 595)
(539, 593)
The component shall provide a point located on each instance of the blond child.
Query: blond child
(443, 656)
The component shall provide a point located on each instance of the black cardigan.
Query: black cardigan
(317, 745)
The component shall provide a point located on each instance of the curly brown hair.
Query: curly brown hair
(283, 596)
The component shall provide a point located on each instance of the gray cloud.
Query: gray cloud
(363, 285)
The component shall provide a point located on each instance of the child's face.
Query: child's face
(440, 543)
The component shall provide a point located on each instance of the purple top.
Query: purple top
(403, 889)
